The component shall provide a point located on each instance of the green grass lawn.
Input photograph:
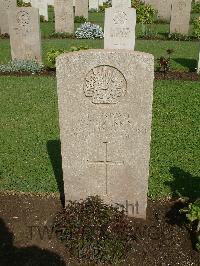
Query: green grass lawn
(30, 136)
(184, 58)
(98, 18)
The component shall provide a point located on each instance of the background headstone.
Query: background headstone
(24, 25)
(121, 3)
(81, 8)
(42, 6)
(119, 28)
(105, 112)
(93, 4)
(163, 7)
(5, 6)
(50, 2)
(198, 67)
(180, 17)
(64, 16)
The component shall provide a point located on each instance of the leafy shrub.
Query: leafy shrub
(21, 66)
(4, 36)
(95, 232)
(89, 31)
(196, 7)
(193, 215)
(105, 5)
(196, 27)
(80, 19)
(178, 37)
(61, 35)
(164, 63)
(53, 53)
(21, 3)
(146, 14)
(42, 18)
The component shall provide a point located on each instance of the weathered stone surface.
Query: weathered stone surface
(81, 8)
(121, 3)
(105, 112)
(119, 28)
(64, 16)
(42, 5)
(5, 6)
(24, 27)
(163, 7)
(50, 2)
(180, 18)
(93, 4)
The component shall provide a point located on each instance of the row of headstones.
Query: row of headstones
(175, 11)
(24, 27)
(105, 112)
(81, 6)
(24, 24)
(178, 11)
(64, 12)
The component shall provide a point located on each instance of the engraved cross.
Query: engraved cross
(106, 162)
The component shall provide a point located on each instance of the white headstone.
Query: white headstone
(163, 7)
(81, 8)
(64, 16)
(93, 4)
(5, 6)
(119, 28)
(180, 17)
(42, 6)
(198, 67)
(24, 26)
(105, 112)
(121, 3)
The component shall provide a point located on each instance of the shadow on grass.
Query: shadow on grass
(54, 151)
(191, 64)
(184, 184)
(11, 255)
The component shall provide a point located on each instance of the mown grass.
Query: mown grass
(29, 142)
(184, 58)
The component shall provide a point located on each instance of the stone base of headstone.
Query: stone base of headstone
(105, 113)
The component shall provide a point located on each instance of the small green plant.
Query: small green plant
(95, 232)
(105, 5)
(175, 36)
(164, 63)
(196, 27)
(42, 18)
(193, 215)
(61, 35)
(148, 34)
(53, 53)
(21, 66)
(21, 3)
(146, 14)
(4, 36)
(79, 19)
(196, 7)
